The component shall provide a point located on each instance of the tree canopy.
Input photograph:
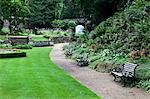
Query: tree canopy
(40, 13)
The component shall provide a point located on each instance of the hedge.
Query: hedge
(11, 55)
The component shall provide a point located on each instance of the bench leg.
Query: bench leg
(115, 77)
(124, 81)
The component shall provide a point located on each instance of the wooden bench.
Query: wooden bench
(83, 60)
(126, 73)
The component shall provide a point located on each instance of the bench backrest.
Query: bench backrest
(129, 69)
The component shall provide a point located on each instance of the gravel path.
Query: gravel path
(100, 83)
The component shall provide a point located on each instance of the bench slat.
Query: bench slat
(118, 74)
(129, 69)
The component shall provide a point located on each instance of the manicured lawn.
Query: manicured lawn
(36, 77)
(39, 38)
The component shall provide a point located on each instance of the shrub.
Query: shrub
(71, 24)
(56, 33)
(14, 54)
(21, 33)
(59, 24)
(143, 71)
(144, 84)
(26, 46)
(5, 46)
(5, 31)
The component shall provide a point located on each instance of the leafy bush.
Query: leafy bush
(3, 37)
(145, 84)
(14, 54)
(56, 33)
(6, 46)
(71, 24)
(21, 33)
(102, 66)
(128, 29)
(143, 71)
(69, 49)
(59, 24)
(94, 58)
(40, 38)
(64, 24)
(5, 31)
(25, 46)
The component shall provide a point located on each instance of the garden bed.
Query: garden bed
(10, 53)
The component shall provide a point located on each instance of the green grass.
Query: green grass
(3, 37)
(36, 77)
(39, 38)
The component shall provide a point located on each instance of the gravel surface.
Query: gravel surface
(100, 83)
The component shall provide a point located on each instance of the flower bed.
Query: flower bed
(10, 53)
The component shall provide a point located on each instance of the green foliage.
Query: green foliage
(13, 10)
(143, 71)
(21, 33)
(25, 46)
(145, 84)
(5, 46)
(116, 37)
(94, 58)
(64, 24)
(59, 24)
(5, 31)
(71, 24)
(39, 38)
(69, 49)
(43, 12)
(13, 54)
(3, 37)
(56, 33)
(125, 30)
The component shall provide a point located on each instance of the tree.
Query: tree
(14, 11)
(95, 10)
(42, 12)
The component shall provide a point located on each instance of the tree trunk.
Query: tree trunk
(1, 24)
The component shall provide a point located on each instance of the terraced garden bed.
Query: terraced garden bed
(10, 53)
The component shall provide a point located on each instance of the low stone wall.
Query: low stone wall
(60, 39)
(19, 39)
(41, 43)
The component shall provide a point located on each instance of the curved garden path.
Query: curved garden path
(100, 83)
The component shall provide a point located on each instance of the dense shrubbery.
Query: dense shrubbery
(13, 54)
(23, 33)
(59, 24)
(125, 31)
(25, 46)
(64, 24)
(71, 24)
(116, 38)
(4, 31)
(56, 33)
(145, 84)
